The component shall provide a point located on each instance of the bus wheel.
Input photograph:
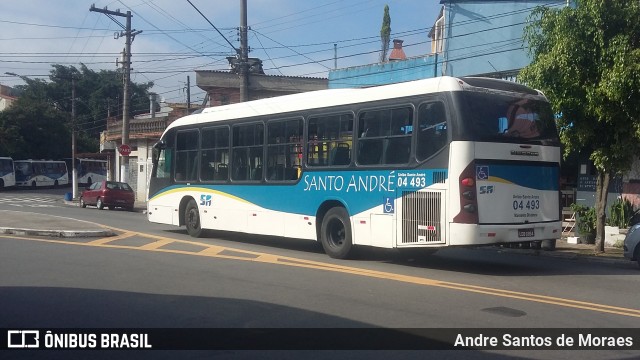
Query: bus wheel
(192, 219)
(99, 204)
(335, 233)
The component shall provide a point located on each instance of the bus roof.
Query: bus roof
(336, 97)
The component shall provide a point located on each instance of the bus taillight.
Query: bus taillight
(468, 203)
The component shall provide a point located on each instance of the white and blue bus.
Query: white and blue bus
(7, 173)
(423, 164)
(88, 171)
(39, 173)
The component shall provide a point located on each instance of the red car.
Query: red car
(108, 193)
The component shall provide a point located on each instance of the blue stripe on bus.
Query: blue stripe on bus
(528, 176)
(358, 190)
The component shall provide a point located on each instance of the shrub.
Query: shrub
(585, 220)
(620, 213)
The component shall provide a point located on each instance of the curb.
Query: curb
(77, 204)
(57, 233)
(567, 255)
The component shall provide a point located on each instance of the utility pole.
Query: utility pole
(74, 171)
(188, 96)
(126, 64)
(244, 53)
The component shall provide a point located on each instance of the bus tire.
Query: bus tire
(192, 219)
(99, 204)
(335, 233)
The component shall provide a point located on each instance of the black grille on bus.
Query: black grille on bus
(421, 222)
(439, 177)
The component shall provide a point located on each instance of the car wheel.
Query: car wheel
(82, 203)
(637, 256)
(33, 184)
(335, 233)
(99, 204)
(192, 219)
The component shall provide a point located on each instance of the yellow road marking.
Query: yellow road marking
(215, 251)
(155, 245)
(106, 240)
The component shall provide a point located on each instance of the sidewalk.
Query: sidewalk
(584, 252)
(24, 223)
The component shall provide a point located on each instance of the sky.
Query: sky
(291, 37)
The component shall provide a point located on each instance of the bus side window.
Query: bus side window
(247, 150)
(284, 149)
(385, 136)
(214, 153)
(432, 129)
(329, 140)
(187, 155)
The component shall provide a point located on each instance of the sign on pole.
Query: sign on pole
(124, 150)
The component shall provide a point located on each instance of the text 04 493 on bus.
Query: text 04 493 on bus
(38, 173)
(422, 164)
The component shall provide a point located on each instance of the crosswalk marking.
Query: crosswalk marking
(29, 201)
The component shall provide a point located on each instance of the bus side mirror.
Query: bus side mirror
(160, 145)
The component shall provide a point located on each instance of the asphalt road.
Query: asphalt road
(155, 276)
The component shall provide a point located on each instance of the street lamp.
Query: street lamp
(74, 173)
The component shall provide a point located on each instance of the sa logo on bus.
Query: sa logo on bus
(205, 200)
(488, 189)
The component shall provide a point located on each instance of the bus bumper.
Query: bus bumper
(474, 234)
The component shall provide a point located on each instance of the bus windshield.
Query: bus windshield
(493, 117)
(23, 171)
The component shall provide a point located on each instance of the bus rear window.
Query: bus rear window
(495, 117)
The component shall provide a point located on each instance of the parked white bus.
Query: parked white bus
(89, 171)
(7, 173)
(423, 164)
(38, 173)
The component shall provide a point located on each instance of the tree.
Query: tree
(39, 130)
(586, 59)
(38, 124)
(385, 34)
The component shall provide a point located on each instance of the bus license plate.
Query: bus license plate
(526, 233)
